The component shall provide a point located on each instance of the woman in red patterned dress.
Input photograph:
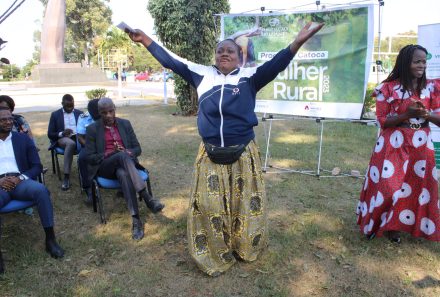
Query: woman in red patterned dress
(400, 191)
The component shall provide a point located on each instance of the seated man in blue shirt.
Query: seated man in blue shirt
(61, 132)
(19, 166)
(84, 120)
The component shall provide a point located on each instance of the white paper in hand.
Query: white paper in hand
(124, 27)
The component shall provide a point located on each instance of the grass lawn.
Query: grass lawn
(315, 248)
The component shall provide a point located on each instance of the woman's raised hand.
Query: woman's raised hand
(305, 34)
(136, 35)
(139, 36)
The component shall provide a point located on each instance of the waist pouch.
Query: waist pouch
(224, 155)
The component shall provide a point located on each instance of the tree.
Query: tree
(391, 45)
(10, 72)
(142, 60)
(87, 19)
(139, 59)
(189, 29)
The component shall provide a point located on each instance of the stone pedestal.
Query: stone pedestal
(66, 73)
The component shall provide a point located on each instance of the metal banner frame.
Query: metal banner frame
(312, 172)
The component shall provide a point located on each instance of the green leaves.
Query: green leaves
(189, 29)
(85, 20)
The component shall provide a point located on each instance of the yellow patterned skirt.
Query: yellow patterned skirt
(227, 217)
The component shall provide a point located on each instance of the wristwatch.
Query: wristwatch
(21, 177)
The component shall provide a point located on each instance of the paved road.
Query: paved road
(30, 98)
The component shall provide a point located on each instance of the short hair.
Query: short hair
(92, 107)
(104, 102)
(9, 101)
(67, 97)
(402, 69)
(237, 46)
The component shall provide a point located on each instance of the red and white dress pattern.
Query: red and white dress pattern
(400, 192)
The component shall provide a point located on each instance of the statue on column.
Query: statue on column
(52, 69)
(52, 35)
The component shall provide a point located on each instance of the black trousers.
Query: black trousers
(82, 164)
(122, 166)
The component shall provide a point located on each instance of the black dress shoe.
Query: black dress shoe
(153, 204)
(89, 199)
(54, 250)
(66, 185)
(137, 231)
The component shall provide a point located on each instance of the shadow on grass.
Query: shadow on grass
(315, 248)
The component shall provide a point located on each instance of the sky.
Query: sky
(397, 16)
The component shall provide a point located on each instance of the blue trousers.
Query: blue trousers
(30, 190)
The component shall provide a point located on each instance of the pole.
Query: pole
(378, 61)
(165, 97)
(267, 147)
(321, 131)
(120, 80)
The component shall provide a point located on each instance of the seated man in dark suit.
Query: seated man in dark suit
(62, 133)
(19, 167)
(112, 150)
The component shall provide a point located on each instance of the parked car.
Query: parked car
(158, 76)
(143, 76)
(169, 75)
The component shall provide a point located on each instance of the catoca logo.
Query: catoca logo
(235, 91)
(274, 22)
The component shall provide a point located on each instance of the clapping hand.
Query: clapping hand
(118, 147)
(417, 110)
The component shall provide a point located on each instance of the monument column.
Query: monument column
(52, 35)
(52, 69)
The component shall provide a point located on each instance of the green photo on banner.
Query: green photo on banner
(328, 76)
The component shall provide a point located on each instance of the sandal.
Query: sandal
(394, 236)
(371, 236)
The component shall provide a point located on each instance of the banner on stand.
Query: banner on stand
(328, 76)
(429, 38)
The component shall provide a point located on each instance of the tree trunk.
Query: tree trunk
(194, 101)
(86, 55)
